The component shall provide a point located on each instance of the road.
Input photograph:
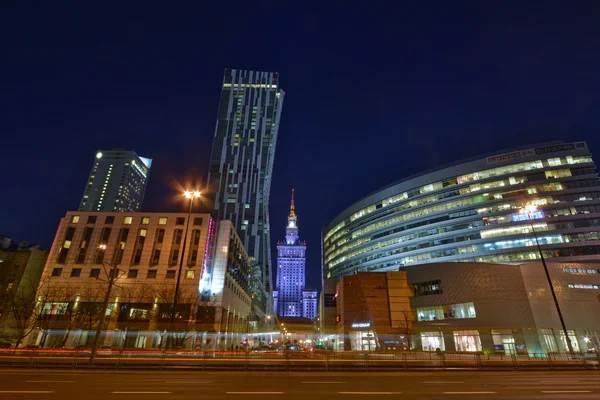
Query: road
(163, 385)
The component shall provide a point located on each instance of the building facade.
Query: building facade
(497, 308)
(241, 164)
(21, 269)
(466, 307)
(291, 270)
(147, 248)
(117, 182)
(475, 211)
(310, 299)
(373, 312)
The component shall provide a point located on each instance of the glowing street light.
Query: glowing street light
(532, 208)
(191, 195)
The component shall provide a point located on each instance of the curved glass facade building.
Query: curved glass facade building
(479, 210)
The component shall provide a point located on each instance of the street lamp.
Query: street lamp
(112, 276)
(191, 195)
(530, 209)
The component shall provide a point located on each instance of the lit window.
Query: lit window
(127, 220)
(467, 340)
(190, 274)
(583, 286)
(162, 221)
(75, 219)
(145, 220)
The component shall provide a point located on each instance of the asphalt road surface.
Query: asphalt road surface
(163, 385)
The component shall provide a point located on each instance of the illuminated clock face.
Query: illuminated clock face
(292, 224)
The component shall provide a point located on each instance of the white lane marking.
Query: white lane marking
(253, 392)
(369, 393)
(49, 381)
(566, 391)
(322, 382)
(27, 391)
(436, 383)
(142, 392)
(469, 392)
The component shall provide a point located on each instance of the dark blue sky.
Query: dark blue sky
(375, 91)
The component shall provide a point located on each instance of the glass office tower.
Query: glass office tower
(242, 156)
(117, 182)
(487, 209)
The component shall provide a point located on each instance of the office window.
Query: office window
(139, 246)
(467, 340)
(451, 311)
(176, 246)
(109, 220)
(64, 251)
(156, 249)
(162, 221)
(190, 274)
(194, 247)
(145, 220)
(428, 288)
(75, 272)
(170, 274)
(583, 286)
(101, 251)
(127, 220)
(179, 221)
(57, 272)
(74, 219)
(151, 274)
(92, 219)
(84, 245)
(132, 274)
(121, 245)
(198, 221)
(95, 273)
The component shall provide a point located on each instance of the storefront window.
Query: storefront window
(431, 341)
(592, 340)
(363, 340)
(573, 338)
(467, 341)
(504, 341)
(548, 339)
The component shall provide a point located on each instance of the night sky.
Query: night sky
(374, 92)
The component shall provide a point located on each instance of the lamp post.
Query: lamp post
(191, 196)
(112, 276)
(531, 209)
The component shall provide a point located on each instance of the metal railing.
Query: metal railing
(295, 360)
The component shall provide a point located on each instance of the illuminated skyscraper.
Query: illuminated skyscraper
(117, 182)
(242, 156)
(291, 263)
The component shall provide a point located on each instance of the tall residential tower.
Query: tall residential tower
(291, 263)
(241, 163)
(117, 182)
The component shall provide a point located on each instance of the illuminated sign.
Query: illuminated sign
(361, 324)
(528, 216)
(509, 156)
(552, 149)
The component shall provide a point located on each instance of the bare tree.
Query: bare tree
(405, 323)
(185, 315)
(26, 305)
(89, 310)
